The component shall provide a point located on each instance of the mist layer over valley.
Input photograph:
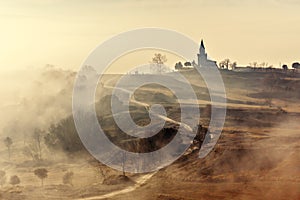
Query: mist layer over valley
(257, 156)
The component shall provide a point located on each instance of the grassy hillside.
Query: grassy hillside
(257, 156)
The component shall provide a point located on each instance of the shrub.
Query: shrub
(68, 178)
(14, 180)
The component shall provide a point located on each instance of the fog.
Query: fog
(33, 98)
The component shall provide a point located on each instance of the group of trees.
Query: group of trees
(41, 173)
(225, 64)
(32, 149)
(261, 65)
(179, 65)
(158, 61)
(14, 180)
(62, 136)
(295, 65)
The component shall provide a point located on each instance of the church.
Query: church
(203, 61)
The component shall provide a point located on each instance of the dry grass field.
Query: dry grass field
(257, 156)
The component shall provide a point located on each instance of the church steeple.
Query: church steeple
(202, 56)
(202, 49)
(202, 44)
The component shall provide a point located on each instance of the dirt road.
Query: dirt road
(140, 181)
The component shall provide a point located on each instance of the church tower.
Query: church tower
(203, 61)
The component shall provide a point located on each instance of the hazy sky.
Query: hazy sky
(63, 32)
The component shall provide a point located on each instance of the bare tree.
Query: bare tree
(263, 64)
(37, 137)
(254, 64)
(41, 173)
(233, 65)
(34, 148)
(8, 142)
(158, 60)
(31, 150)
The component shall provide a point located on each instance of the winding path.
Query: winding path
(147, 106)
(139, 182)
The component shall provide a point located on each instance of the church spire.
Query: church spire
(202, 44)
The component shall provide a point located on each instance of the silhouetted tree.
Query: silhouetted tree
(187, 64)
(8, 142)
(178, 66)
(296, 65)
(284, 67)
(158, 60)
(263, 64)
(14, 180)
(34, 148)
(254, 64)
(233, 65)
(41, 173)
